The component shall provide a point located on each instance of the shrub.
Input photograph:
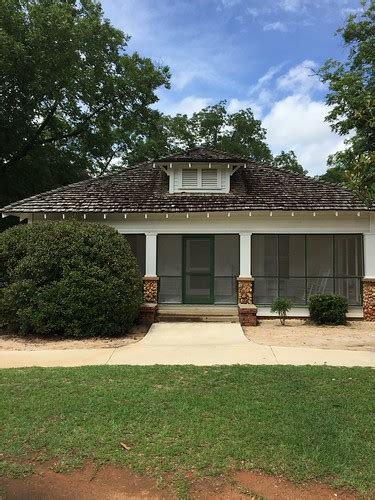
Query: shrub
(281, 306)
(328, 309)
(68, 278)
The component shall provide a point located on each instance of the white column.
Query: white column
(369, 254)
(151, 239)
(245, 255)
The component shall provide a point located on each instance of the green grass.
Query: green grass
(302, 422)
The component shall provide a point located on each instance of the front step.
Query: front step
(224, 314)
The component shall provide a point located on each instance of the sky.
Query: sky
(252, 53)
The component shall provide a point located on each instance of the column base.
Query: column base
(369, 299)
(150, 289)
(147, 314)
(245, 290)
(247, 314)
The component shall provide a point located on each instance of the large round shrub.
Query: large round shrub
(68, 278)
(328, 309)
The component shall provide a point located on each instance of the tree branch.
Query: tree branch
(30, 143)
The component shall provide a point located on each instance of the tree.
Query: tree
(351, 98)
(334, 175)
(72, 100)
(288, 161)
(214, 127)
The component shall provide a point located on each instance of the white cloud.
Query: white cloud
(186, 106)
(290, 5)
(276, 26)
(297, 122)
(253, 12)
(347, 11)
(265, 79)
(235, 105)
(300, 78)
(229, 3)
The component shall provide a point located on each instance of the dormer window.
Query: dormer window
(206, 179)
(198, 176)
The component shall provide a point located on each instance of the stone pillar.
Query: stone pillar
(245, 290)
(369, 299)
(150, 282)
(247, 312)
(150, 289)
(369, 271)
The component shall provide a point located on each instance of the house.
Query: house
(212, 228)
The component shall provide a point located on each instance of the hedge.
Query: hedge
(71, 279)
(328, 309)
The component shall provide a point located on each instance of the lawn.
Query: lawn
(301, 422)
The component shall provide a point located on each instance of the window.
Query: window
(189, 178)
(137, 243)
(298, 266)
(200, 179)
(209, 178)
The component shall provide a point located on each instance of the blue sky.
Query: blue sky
(253, 53)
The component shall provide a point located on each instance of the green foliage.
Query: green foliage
(304, 423)
(214, 127)
(351, 98)
(281, 306)
(335, 175)
(328, 309)
(288, 161)
(67, 278)
(72, 99)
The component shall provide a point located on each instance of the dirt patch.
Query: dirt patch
(115, 483)
(355, 336)
(109, 483)
(13, 342)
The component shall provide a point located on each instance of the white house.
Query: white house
(212, 228)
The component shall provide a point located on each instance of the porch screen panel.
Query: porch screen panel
(319, 269)
(226, 268)
(137, 243)
(169, 268)
(298, 266)
(292, 261)
(348, 266)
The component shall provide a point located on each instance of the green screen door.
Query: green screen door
(198, 267)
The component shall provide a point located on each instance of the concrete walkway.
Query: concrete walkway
(200, 344)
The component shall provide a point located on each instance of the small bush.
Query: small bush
(281, 306)
(68, 278)
(328, 309)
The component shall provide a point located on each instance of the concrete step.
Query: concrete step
(227, 314)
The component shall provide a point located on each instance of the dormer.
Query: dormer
(200, 171)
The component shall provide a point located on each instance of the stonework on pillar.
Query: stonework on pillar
(369, 299)
(150, 289)
(245, 290)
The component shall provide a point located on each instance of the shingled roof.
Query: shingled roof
(144, 188)
(203, 155)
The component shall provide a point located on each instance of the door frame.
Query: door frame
(211, 238)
